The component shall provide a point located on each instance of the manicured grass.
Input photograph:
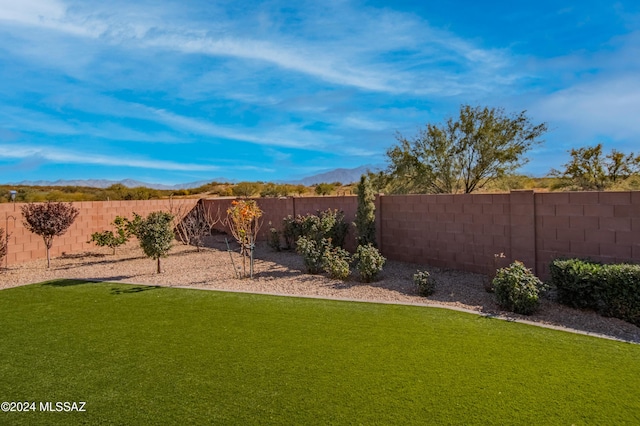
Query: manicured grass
(149, 355)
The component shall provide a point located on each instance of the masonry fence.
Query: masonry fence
(462, 232)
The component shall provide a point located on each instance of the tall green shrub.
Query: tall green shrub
(366, 214)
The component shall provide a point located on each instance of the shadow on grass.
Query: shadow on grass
(132, 290)
(66, 283)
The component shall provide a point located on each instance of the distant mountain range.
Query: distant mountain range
(336, 175)
(344, 176)
(105, 183)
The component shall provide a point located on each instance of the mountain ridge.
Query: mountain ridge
(342, 175)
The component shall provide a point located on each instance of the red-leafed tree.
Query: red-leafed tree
(48, 220)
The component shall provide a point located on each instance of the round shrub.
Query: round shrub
(425, 284)
(369, 262)
(517, 289)
(312, 254)
(336, 262)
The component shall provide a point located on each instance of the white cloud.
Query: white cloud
(353, 51)
(283, 136)
(74, 157)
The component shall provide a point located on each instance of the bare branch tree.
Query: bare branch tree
(192, 226)
(3, 244)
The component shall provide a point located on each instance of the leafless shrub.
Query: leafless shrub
(191, 226)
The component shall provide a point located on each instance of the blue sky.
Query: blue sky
(180, 91)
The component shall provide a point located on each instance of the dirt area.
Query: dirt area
(282, 273)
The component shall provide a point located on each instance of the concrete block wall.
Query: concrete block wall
(448, 231)
(94, 216)
(452, 231)
(276, 209)
(603, 226)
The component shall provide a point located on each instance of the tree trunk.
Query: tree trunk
(159, 270)
(48, 259)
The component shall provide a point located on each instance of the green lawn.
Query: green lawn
(150, 355)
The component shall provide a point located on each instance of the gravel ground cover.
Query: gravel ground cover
(282, 273)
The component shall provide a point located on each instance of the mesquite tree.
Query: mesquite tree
(366, 214)
(463, 154)
(48, 220)
(156, 235)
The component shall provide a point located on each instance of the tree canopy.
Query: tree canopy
(48, 220)
(461, 155)
(589, 169)
(156, 235)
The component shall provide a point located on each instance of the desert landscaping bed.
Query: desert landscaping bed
(282, 273)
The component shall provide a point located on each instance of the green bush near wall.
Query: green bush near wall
(612, 290)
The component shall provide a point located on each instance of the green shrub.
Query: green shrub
(611, 290)
(291, 230)
(577, 282)
(336, 262)
(312, 253)
(274, 239)
(425, 284)
(328, 224)
(620, 294)
(369, 262)
(517, 289)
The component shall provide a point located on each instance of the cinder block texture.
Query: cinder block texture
(454, 231)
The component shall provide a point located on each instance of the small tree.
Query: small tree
(246, 189)
(156, 235)
(325, 188)
(462, 155)
(366, 214)
(111, 240)
(243, 219)
(48, 220)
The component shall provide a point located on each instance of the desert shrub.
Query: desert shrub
(274, 239)
(339, 228)
(336, 262)
(612, 290)
(517, 288)
(369, 262)
(328, 224)
(312, 253)
(291, 230)
(425, 284)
